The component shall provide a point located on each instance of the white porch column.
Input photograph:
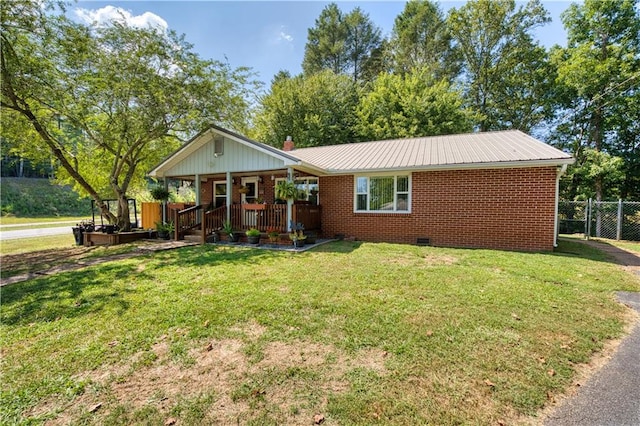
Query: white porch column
(289, 201)
(198, 197)
(164, 202)
(229, 189)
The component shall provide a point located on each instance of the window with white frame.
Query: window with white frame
(382, 193)
(308, 188)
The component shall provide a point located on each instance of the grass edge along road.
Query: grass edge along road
(361, 333)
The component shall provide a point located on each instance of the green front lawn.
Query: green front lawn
(359, 333)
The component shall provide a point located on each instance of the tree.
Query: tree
(125, 97)
(421, 40)
(326, 43)
(599, 100)
(363, 39)
(411, 105)
(345, 44)
(505, 73)
(318, 109)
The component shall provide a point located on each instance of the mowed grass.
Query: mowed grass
(359, 333)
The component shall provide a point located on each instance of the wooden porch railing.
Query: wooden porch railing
(246, 216)
(213, 220)
(185, 220)
(259, 216)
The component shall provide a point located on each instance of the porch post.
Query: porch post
(289, 201)
(198, 201)
(229, 189)
(164, 202)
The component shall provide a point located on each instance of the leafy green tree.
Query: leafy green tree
(317, 109)
(345, 44)
(363, 39)
(421, 40)
(594, 166)
(411, 105)
(599, 100)
(109, 102)
(506, 74)
(326, 43)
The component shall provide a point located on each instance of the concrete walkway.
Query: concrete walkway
(611, 397)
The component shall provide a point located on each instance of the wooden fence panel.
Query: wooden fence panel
(151, 213)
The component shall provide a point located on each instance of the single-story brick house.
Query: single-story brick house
(493, 190)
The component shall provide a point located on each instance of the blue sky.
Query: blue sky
(267, 36)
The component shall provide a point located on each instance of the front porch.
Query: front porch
(264, 217)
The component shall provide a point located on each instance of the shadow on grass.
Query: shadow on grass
(596, 250)
(66, 295)
(212, 255)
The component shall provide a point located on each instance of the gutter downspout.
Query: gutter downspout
(555, 224)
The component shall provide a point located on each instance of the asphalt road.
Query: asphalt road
(30, 233)
(612, 395)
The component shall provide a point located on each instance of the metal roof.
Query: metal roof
(474, 150)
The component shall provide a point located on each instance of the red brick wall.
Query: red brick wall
(498, 208)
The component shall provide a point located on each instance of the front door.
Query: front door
(249, 217)
(252, 184)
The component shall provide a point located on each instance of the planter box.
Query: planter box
(102, 239)
(254, 206)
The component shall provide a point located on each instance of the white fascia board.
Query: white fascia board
(462, 166)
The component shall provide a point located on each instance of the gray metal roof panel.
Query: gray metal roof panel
(425, 152)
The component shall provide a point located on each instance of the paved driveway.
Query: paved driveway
(611, 397)
(29, 233)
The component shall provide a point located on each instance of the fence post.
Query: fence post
(588, 224)
(619, 225)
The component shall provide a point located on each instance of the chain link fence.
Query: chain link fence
(617, 220)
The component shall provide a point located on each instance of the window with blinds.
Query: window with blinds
(382, 193)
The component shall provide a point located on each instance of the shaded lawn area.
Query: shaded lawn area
(360, 333)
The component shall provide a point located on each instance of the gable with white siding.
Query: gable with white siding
(217, 151)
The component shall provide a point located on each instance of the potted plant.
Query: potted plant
(286, 190)
(227, 228)
(253, 236)
(164, 229)
(297, 236)
(159, 193)
(311, 238)
(273, 234)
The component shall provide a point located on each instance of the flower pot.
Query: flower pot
(234, 238)
(299, 243)
(253, 240)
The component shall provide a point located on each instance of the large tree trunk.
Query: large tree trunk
(124, 217)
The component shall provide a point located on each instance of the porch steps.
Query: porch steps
(193, 238)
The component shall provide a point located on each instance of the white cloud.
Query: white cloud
(103, 16)
(284, 36)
